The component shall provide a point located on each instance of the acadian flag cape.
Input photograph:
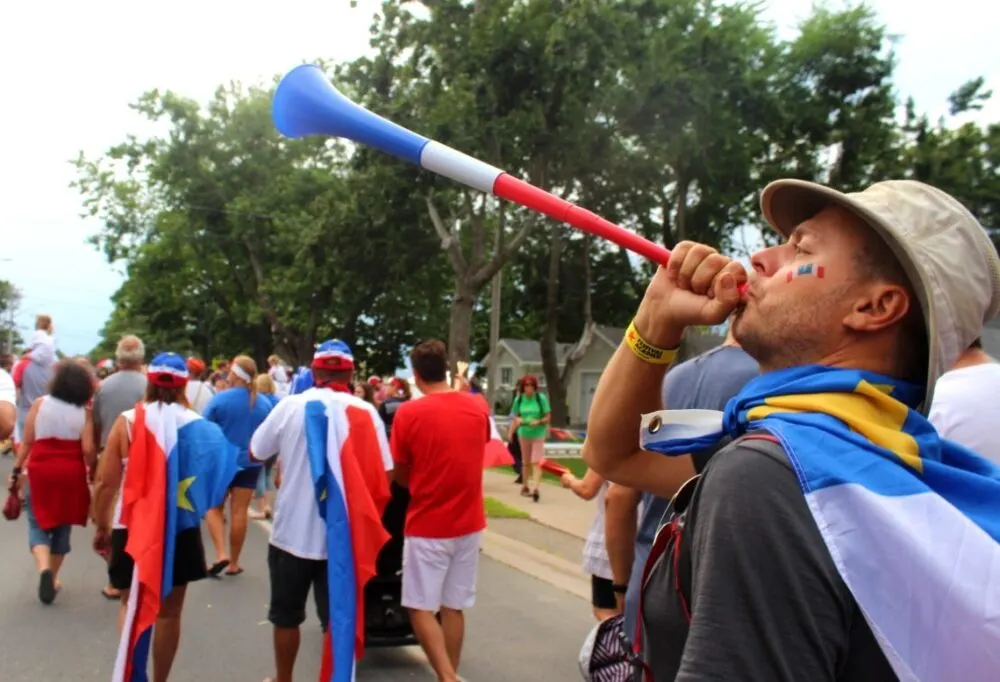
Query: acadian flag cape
(496, 453)
(352, 490)
(911, 520)
(179, 467)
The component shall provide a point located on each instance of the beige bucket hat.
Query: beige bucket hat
(947, 255)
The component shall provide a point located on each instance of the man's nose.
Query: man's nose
(767, 261)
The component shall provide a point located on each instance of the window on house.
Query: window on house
(506, 376)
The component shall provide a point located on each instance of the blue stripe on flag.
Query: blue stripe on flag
(339, 549)
(170, 524)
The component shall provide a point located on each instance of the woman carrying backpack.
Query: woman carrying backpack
(531, 414)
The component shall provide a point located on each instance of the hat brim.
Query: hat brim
(788, 203)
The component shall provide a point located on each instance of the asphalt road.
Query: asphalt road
(521, 628)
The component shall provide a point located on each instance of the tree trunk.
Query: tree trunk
(460, 324)
(550, 342)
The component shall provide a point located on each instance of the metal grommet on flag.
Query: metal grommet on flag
(655, 423)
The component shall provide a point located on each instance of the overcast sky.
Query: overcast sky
(71, 69)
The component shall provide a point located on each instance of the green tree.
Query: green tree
(10, 302)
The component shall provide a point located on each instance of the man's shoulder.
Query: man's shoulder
(749, 461)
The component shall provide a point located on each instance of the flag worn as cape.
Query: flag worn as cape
(912, 521)
(352, 490)
(496, 453)
(179, 467)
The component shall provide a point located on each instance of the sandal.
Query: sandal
(525, 492)
(46, 587)
(535, 495)
(218, 567)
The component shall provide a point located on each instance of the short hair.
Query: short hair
(166, 394)
(324, 376)
(72, 383)
(43, 322)
(878, 262)
(130, 350)
(429, 360)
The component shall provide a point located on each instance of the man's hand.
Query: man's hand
(698, 286)
(102, 541)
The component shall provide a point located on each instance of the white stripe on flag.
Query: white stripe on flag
(934, 629)
(121, 659)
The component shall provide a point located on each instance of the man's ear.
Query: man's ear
(879, 306)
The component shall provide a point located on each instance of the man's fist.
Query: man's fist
(698, 286)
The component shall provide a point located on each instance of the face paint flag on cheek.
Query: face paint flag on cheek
(804, 270)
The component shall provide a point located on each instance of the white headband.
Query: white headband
(240, 372)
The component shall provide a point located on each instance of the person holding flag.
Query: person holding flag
(171, 466)
(333, 456)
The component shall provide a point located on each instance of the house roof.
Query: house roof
(529, 352)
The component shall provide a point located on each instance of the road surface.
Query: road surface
(521, 628)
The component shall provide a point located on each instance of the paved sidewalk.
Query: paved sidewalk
(558, 508)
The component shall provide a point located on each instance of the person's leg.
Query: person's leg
(239, 506)
(537, 453)
(120, 569)
(167, 633)
(59, 549)
(527, 465)
(425, 566)
(40, 543)
(216, 525)
(459, 593)
(291, 578)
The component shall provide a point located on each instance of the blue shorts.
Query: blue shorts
(56, 539)
(246, 478)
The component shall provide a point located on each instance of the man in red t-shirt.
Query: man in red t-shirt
(438, 443)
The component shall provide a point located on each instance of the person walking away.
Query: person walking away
(595, 552)
(34, 373)
(531, 414)
(966, 405)
(264, 493)
(238, 411)
(705, 382)
(198, 392)
(438, 445)
(119, 392)
(332, 455)
(814, 522)
(397, 393)
(57, 451)
(163, 468)
(276, 370)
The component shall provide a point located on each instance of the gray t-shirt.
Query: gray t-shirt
(34, 384)
(118, 393)
(705, 382)
(767, 603)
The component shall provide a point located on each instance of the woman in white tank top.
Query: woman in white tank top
(57, 456)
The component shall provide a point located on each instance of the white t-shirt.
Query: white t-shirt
(8, 392)
(966, 408)
(198, 395)
(298, 528)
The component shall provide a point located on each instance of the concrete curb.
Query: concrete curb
(537, 563)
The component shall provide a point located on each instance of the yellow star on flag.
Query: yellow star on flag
(322, 495)
(182, 488)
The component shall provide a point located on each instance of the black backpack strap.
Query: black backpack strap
(682, 523)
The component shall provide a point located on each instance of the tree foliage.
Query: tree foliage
(664, 116)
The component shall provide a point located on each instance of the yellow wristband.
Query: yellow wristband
(646, 351)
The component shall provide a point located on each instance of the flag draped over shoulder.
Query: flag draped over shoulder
(496, 453)
(352, 490)
(912, 521)
(179, 467)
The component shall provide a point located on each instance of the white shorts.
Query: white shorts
(440, 572)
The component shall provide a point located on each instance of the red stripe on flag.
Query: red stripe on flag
(144, 514)
(366, 491)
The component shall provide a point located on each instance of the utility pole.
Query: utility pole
(493, 371)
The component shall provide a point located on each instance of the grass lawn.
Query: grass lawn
(576, 465)
(495, 509)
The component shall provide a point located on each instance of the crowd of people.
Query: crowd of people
(815, 499)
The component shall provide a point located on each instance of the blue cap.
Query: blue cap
(334, 355)
(168, 369)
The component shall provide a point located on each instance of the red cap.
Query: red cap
(195, 366)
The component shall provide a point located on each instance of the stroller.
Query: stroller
(387, 624)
